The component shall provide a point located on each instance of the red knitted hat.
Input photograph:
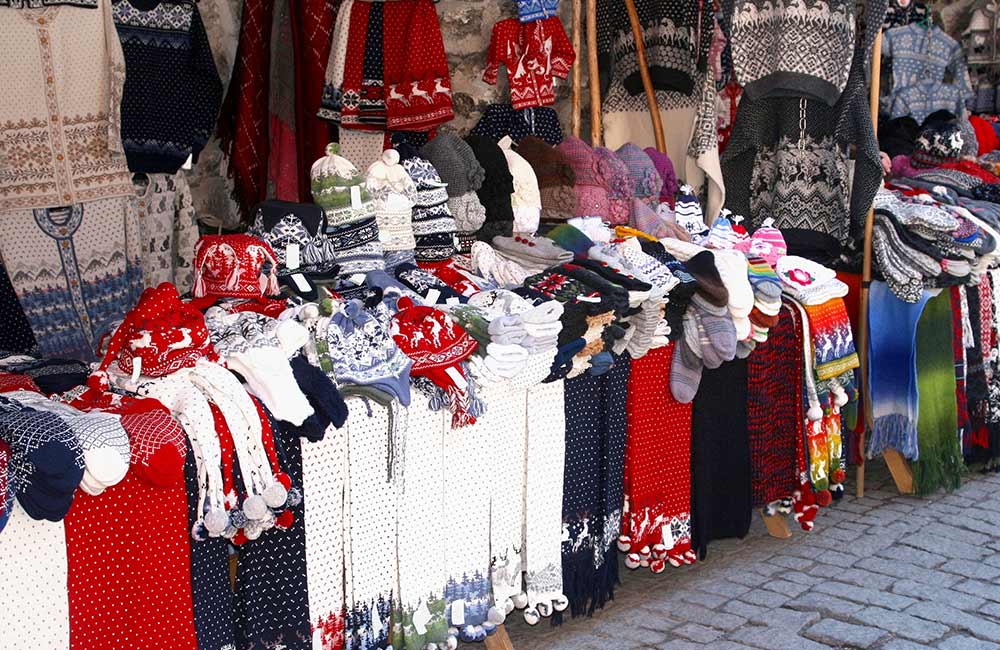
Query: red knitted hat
(237, 266)
(437, 345)
(160, 335)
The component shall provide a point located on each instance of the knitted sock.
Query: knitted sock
(804, 504)
(685, 373)
(721, 334)
(702, 268)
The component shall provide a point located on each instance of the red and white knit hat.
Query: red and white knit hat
(237, 266)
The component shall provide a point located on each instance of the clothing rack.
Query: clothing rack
(898, 467)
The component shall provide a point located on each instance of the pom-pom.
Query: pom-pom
(216, 521)
(531, 616)
(632, 561)
(824, 498)
(239, 539)
(237, 518)
(838, 476)
(230, 532)
(255, 508)
(520, 600)
(624, 543)
(284, 520)
(544, 609)
(495, 615)
(815, 413)
(560, 603)
(198, 532)
(659, 551)
(253, 530)
(275, 495)
(294, 497)
(452, 641)
(657, 566)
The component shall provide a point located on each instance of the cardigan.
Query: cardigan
(60, 110)
(921, 57)
(533, 53)
(172, 88)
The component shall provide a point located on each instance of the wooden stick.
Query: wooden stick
(647, 81)
(577, 67)
(900, 471)
(499, 640)
(866, 274)
(594, 82)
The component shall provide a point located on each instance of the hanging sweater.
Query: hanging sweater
(787, 48)
(172, 88)
(533, 53)
(921, 58)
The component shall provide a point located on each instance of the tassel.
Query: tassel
(273, 288)
(199, 284)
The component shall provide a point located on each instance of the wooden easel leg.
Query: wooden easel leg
(777, 525)
(499, 640)
(900, 471)
(859, 479)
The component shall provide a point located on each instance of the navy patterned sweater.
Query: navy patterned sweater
(172, 88)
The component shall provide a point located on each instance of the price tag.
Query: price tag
(189, 163)
(421, 617)
(668, 536)
(358, 278)
(451, 302)
(301, 283)
(292, 256)
(458, 613)
(432, 296)
(457, 377)
(356, 197)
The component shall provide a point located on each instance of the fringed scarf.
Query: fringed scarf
(244, 118)
(421, 618)
(892, 371)
(657, 517)
(720, 456)
(940, 464)
(775, 411)
(596, 431)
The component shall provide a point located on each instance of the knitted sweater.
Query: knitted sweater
(793, 47)
(533, 53)
(921, 57)
(60, 110)
(172, 88)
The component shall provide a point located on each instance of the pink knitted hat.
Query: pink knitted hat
(766, 242)
(621, 185)
(591, 186)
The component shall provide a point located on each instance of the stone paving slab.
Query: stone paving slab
(886, 572)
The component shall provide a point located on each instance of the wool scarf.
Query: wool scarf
(940, 464)
(993, 376)
(961, 327)
(775, 410)
(720, 456)
(657, 462)
(892, 371)
(244, 120)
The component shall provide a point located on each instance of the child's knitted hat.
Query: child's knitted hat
(621, 185)
(645, 177)
(591, 186)
(687, 212)
(339, 188)
(937, 144)
(555, 175)
(532, 10)
(526, 199)
(665, 169)
(455, 163)
(767, 242)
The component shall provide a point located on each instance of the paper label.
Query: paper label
(668, 536)
(421, 617)
(432, 296)
(457, 377)
(458, 613)
(292, 258)
(358, 278)
(451, 302)
(301, 283)
(189, 163)
(356, 197)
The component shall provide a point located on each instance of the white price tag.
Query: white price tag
(189, 163)
(668, 536)
(358, 278)
(457, 377)
(292, 257)
(301, 283)
(356, 197)
(451, 302)
(421, 617)
(458, 613)
(432, 296)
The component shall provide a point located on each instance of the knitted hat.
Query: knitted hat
(646, 179)
(234, 266)
(437, 345)
(430, 287)
(526, 199)
(159, 336)
(500, 120)
(621, 185)
(556, 178)
(937, 144)
(591, 187)
(766, 242)
(687, 211)
(296, 235)
(665, 169)
(435, 248)
(339, 188)
(808, 282)
(358, 247)
(497, 189)
(362, 351)
(468, 212)
(394, 194)
(572, 239)
(455, 162)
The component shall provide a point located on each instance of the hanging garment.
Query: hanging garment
(76, 270)
(940, 464)
(172, 89)
(16, 335)
(720, 456)
(533, 53)
(168, 231)
(775, 410)
(60, 117)
(922, 56)
(657, 463)
(892, 380)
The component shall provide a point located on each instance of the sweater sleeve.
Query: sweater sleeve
(206, 87)
(116, 82)
(493, 57)
(563, 54)
(959, 72)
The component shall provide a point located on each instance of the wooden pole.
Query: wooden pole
(577, 67)
(647, 82)
(594, 82)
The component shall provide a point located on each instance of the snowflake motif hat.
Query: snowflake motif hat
(234, 266)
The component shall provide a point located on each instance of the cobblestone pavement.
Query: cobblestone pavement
(887, 572)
